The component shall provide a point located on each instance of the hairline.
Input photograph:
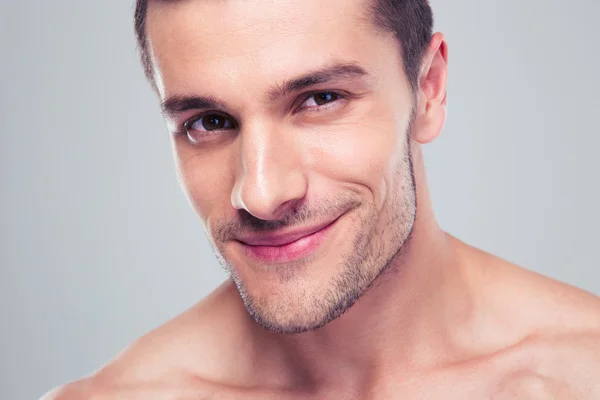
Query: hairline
(371, 16)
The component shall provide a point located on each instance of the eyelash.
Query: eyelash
(340, 96)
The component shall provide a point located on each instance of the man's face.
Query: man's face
(287, 117)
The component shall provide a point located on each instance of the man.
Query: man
(297, 129)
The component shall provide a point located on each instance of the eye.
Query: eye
(198, 127)
(320, 99)
(209, 122)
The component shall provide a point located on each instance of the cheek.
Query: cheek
(206, 177)
(366, 151)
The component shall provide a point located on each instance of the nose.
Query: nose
(270, 179)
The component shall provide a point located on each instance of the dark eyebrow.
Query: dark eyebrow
(174, 105)
(177, 104)
(324, 75)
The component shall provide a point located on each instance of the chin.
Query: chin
(283, 303)
(301, 302)
(287, 316)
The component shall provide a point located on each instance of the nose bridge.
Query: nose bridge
(270, 179)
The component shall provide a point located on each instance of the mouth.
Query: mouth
(287, 247)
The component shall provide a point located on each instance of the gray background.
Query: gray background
(98, 244)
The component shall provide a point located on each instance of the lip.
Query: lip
(286, 247)
(282, 239)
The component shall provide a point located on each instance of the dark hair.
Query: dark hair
(411, 21)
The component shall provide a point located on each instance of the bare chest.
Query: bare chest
(536, 375)
(444, 386)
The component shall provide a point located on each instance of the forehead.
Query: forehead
(206, 44)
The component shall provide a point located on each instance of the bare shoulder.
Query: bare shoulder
(93, 390)
(184, 357)
(563, 308)
(202, 341)
(559, 357)
(560, 308)
(534, 303)
(575, 356)
(72, 391)
(565, 366)
(83, 389)
(553, 331)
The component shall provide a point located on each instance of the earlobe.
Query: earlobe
(428, 126)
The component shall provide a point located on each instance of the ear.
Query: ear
(431, 93)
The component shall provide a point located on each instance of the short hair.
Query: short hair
(411, 22)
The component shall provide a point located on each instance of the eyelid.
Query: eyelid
(187, 124)
(341, 96)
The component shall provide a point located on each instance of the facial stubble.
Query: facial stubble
(373, 252)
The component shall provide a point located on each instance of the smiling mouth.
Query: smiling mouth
(286, 247)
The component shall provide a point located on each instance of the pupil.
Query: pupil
(212, 122)
(323, 98)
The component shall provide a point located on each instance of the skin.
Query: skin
(423, 315)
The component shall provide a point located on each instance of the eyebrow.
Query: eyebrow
(177, 104)
(324, 75)
(174, 105)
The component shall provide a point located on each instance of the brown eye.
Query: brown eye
(324, 98)
(319, 100)
(210, 122)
